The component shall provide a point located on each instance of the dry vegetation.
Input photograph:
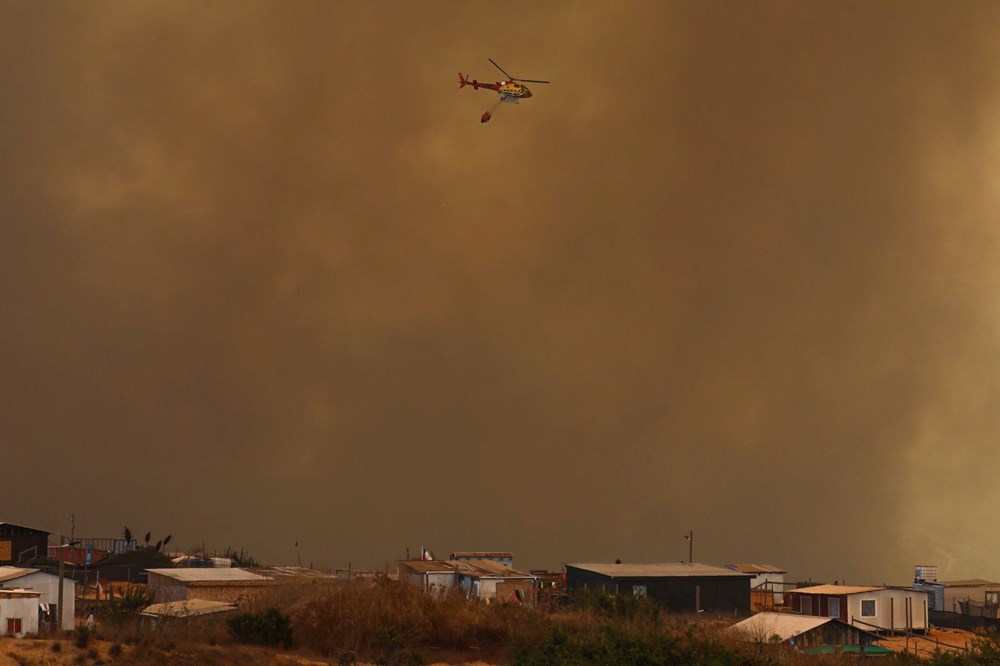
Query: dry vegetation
(382, 621)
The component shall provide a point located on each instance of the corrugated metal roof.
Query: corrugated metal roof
(487, 569)
(665, 570)
(197, 575)
(428, 566)
(835, 589)
(755, 568)
(188, 608)
(11, 573)
(473, 568)
(783, 625)
(482, 555)
(290, 572)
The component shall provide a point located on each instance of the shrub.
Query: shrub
(269, 627)
(81, 637)
(128, 605)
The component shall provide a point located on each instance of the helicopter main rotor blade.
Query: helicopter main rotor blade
(529, 80)
(501, 69)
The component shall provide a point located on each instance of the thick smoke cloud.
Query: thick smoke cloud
(266, 279)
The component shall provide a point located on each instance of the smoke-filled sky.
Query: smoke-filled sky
(266, 279)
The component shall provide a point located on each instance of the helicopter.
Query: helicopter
(512, 90)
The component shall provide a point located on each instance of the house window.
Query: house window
(867, 608)
(833, 607)
(13, 626)
(806, 605)
(993, 598)
(638, 590)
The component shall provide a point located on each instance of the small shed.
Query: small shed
(685, 586)
(493, 581)
(47, 585)
(800, 631)
(434, 576)
(228, 585)
(18, 612)
(481, 579)
(871, 608)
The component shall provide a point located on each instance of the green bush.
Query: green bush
(128, 605)
(269, 627)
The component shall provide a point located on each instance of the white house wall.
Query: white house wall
(25, 609)
(440, 583)
(487, 588)
(761, 578)
(890, 610)
(48, 585)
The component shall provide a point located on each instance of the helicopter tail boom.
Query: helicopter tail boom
(464, 81)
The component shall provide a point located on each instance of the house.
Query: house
(20, 544)
(870, 608)
(684, 587)
(220, 584)
(480, 579)
(47, 585)
(492, 581)
(766, 585)
(800, 631)
(228, 585)
(18, 612)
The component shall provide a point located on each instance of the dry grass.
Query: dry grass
(388, 622)
(380, 616)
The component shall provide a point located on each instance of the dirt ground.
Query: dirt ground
(41, 652)
(934, 640)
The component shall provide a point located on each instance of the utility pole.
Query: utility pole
(62, 558)
(690, 537)
(59, 604)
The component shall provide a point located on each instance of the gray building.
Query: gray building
(683, 587)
